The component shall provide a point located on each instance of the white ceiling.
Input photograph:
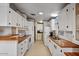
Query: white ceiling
(35, 8)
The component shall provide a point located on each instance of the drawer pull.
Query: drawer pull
(60, 50)
(9, 23)
(9, 11)
(21, 48)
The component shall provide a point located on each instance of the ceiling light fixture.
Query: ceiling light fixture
(40, 13)
(41, 21)
(54, 15)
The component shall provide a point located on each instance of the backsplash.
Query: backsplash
(66, 34)
(5, 31)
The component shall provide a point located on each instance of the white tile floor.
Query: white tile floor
(38, 49)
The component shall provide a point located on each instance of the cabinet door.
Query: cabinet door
(12, 20)
(50, 46)
(60, 21)
(24, 22)
(8, 48)
(19, 22)
(70, 21)
(21, 48)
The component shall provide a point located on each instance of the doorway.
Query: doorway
(39, 31)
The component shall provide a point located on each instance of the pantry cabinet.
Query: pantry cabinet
(13, 48)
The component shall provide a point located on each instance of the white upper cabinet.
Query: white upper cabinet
(19, 21)
(67, 18)
(24, 22)
(3, 15)
(70, 17)
(12, 17)
(8, 17)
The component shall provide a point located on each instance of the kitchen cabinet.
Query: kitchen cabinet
(23, 47)
(13, 47)
(9, 17)
(54, 49)
(57, 51)
(51, 47)
(19, 20)
(8, 48)
(12, 18)
(24, 22)
(67, 18)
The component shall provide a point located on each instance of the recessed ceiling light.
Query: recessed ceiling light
(41, 21)
(40, 13)
(54, 15)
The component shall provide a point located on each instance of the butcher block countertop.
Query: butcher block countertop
(71, 53)
(13, 37)
(64, 43)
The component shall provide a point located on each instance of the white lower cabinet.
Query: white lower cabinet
(54, 49)
(57, 51)
(23, 47)
(13, 48)
(50, 46)
(8, 48)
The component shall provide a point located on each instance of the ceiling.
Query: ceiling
(35, 8)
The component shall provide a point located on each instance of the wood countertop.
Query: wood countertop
(64, 43)
(71, 53)
(13, 37)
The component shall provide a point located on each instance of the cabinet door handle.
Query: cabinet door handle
(9, 23)
(21, 48)
(60, 50)
(9, 11)
(67, 26)
(67, 10)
